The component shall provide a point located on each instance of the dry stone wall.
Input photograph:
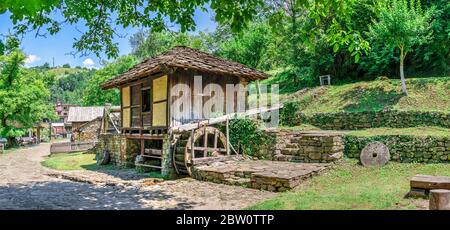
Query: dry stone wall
(403, 148)
(308, 147)
(88, 132)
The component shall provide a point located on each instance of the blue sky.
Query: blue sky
(40, 50)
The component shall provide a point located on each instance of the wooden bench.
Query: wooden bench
(422, 184)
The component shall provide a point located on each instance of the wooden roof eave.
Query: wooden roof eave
(170, 69)
(132, 77)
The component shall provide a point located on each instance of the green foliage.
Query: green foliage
(376, 188)
(68, 88)
(434, 55)
(287, 113)
(23, 96)
(2, 48)
(248, 138)
(149, 43)
(100, 17)
(249, 48)
(402, 25)
(93, 93)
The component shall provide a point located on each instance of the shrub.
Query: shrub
(248, 138)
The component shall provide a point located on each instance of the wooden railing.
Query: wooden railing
(67, 147)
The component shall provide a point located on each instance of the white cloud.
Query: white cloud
(32, 58)
(89, 63)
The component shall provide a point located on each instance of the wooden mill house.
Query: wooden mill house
(147, 116)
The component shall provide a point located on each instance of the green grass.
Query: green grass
(351, 186)
(302, 127)
(71, 161)
(81, 161)
(424, 94)
(413, 131)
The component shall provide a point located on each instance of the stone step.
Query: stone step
(238, 181)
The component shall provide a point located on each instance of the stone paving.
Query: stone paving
(25, 184)
(265, 175)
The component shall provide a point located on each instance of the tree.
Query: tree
(68, 88)
(23, 97)
(67, 65)
(2, 48)
(402, 25)
(101, 17)
(93, 93)
(45, 66)
(149, 43)
(250, 47)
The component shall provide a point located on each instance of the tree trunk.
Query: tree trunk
(402, 75)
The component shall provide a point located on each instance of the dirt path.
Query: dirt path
(25, 184)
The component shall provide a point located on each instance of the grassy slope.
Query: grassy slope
(350, 186)
(424, 94)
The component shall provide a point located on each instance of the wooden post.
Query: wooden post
(192, 144)
(142, 147)
(228, 138)
(205, 143)
(216, 135)
(439, 199)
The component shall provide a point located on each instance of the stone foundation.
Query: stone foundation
(265, 175)
(308, 147)
(122, 151)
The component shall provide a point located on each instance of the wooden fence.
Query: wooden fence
(68, 147)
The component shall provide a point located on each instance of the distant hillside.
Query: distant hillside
(69, 84)
(62, 72)
(424, 94)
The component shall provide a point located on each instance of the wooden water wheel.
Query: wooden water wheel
(208, 144)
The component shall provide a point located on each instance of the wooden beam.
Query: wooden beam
(228, 138)
(216, 136)
(212, 121)
(427, 182)
(210, 149)
(192, 144)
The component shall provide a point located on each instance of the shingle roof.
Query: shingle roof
(184, 57)
(83, 114)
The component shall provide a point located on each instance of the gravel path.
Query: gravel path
(25, 184)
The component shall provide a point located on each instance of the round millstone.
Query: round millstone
(375, 154)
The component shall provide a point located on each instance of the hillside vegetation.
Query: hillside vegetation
(424, 94)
